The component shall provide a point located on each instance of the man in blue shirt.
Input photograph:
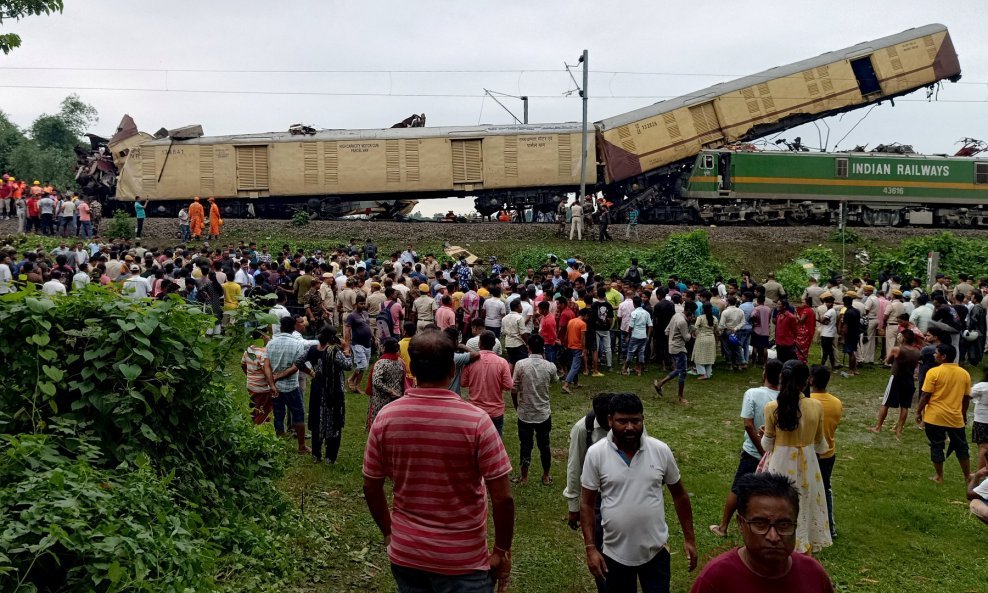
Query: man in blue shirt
(632, 223)
(140, 214)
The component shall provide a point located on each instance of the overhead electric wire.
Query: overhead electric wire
(392, 94)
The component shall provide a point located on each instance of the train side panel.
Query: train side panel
(675, 130)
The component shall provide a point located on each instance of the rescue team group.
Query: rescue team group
(438, 328)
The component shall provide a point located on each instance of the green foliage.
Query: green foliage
(18, 9)
(122, 226)
(10, 137)
(56, 165)
(822, 262)
(847, 236)
(957, 255)
(684, 254)
(126, 465)
(301, 218)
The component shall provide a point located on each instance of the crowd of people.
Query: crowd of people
(440, 343)
(42, 209)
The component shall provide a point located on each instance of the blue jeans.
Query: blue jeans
(636, 350)
(604, 345)
(87, 228)
(292, 402)
(550, 353)
(744, 336)
(576, 363)
(413, 580)
(186, 232)
(679, 367)
(494, 330)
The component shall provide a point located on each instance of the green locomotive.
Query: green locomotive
(873, 189)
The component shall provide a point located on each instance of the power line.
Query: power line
(392, 94)
(410, 71)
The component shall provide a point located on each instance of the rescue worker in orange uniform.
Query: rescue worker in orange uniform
(215, 222)
(196, 217)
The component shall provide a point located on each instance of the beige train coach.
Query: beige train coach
(667, 133)
(418, 162)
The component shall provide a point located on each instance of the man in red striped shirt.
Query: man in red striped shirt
(439, 451)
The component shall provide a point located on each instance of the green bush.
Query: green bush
(118, 409)
(844, 236)
(822, 262)
(122, 226)
(957, 255)
(301, 218)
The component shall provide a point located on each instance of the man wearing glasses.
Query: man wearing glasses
(768, 505)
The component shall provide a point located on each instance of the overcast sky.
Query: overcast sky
(510, 46)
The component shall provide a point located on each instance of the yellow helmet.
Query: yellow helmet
(11, 179)
(36, 182)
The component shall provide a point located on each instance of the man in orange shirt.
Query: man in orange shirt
(576, 331)
(196, 218)
(215, 222)
(946, 395)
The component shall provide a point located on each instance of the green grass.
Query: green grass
(897, 531)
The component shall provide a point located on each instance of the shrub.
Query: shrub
(126, 465)
(821, 262)
(122, 226)
(301, 218)
(957, 255)
(844, 236)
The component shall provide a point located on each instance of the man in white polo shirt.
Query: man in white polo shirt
(629, 469)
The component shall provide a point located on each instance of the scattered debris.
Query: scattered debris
(413, 121)
(301, 130)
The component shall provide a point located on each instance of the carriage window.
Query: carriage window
(707, 162)
(842, 168)
(981, 173)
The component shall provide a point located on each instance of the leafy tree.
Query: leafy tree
(18, 9)
(10, 137)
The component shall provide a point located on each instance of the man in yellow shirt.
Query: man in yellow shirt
(832, 410)
(946, 395)
(232, 293)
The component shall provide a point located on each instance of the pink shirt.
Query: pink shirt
(487, 379)
(438, 450)
(445, 317)
(764, 317)
(84, 212)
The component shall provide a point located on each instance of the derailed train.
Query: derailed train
(644, 156)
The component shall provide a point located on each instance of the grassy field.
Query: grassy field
(897, 531)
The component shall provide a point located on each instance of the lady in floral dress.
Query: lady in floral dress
(386, 380)
(793, 438)
(705, 346)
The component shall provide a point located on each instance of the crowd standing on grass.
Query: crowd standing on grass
(412, 331)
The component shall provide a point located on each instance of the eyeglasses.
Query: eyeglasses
(761, 526)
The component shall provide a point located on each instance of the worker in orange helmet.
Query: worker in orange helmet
(215, 221)
(196, 217)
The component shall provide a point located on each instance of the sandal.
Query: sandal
(547, 481)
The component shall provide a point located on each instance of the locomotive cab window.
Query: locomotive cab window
(841, 168)
(707, 162)
(981, 173)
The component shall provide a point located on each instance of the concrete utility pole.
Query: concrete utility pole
(585, 59)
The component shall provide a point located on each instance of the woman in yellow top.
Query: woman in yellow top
(793, 437)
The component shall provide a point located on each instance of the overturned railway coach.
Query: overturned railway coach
(875, 189)
(530, 164)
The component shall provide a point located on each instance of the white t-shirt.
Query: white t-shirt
(979, 396)
(53, 287)
(6, 279)
(136, 287)
(753, 408)
(494, 311)
(474, 344)
(280, 312)
(982, 490)
(830, 329)
(80, 280)
(631, 500)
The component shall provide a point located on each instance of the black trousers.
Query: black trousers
(653, 575)
(827, 344)
(540, 432)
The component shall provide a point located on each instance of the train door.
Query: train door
(864, 71)
(725, 172)
(468, 164)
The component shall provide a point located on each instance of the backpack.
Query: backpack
(385, 321)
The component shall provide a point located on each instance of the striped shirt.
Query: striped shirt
(254, 358)
(437, 450)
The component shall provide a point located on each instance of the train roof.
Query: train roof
(363, 135)
(716, 90)
(886, 155)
